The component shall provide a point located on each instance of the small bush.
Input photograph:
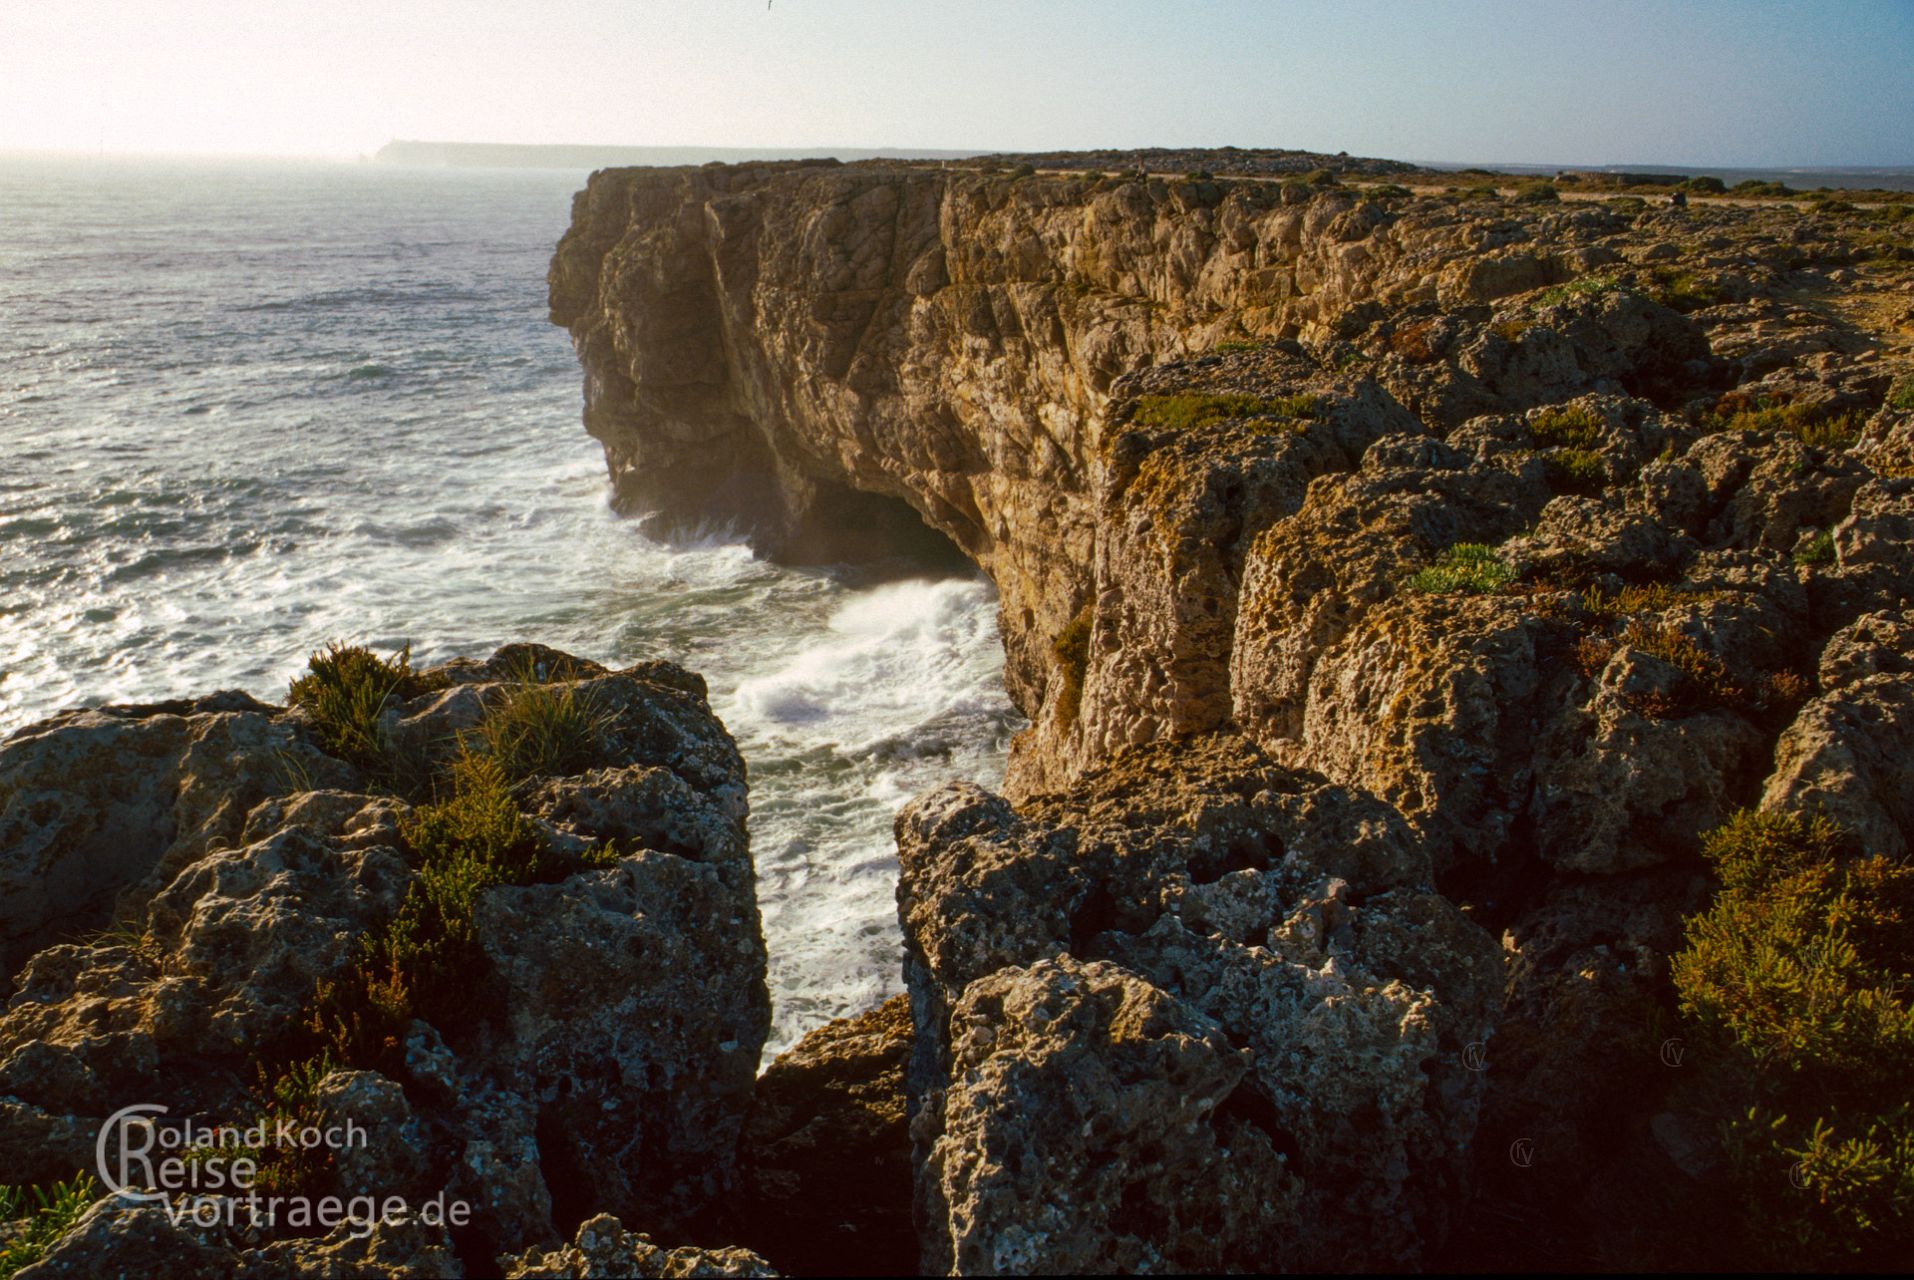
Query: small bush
(1181, 412)
(1627, 205)
(1388, 191)
(1536, 193)
(1199, 175)
(1802, 973)
(1576, 471)
(1511, 330)
(347, 689)
(1568, 426)
(1703, 186)
(39, 1216)
(1072, 652)
(1467, 568)
(1704, 682)
(1320, 178)
(1817, 550)
(1902, 396)
(425, 961)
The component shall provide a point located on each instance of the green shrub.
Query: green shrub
(1817, 550)
(347, 689)
(1576, 471)
(1388, 191)
(1071, 649)
(1628, 205)
(1902, 396)
(1467, 568)
(1536, 193)
(1320, 178)
(1573, 436)
(1754, 188)
(39, 1216)
(1181, 412)
(424, 963)
(1801, 975)
(1568, 426)
(1704, 186)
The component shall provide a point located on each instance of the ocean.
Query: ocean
(250, 407)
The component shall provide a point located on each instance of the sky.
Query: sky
(1731, 83)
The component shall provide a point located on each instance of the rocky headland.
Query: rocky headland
(1463, 821)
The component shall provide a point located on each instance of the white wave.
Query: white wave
(898, 656)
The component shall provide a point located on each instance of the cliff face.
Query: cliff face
(1557, 531)
(758, 340)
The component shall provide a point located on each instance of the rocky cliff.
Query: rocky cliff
(1387, 576)
(542, 1001)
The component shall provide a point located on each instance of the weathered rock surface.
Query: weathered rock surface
(1210, 438)
(618, 1013)
(826, 1171)
(1197, 954)
(604, 1250)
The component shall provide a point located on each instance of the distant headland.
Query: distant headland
(506, 155)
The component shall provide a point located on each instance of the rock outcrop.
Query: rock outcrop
(601, 1055)
(1200, 1012)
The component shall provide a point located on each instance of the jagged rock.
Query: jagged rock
(96, 802)
(1290, 915)
(826, 1184)
(604, 1250)
(1846, 755)
(385, 1251)
(119, 1237)
(633, 1027)
(617, 1016)
(1087, 1129)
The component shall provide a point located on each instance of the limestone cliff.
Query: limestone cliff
(1556, 531)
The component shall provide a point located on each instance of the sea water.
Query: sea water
(246, 408)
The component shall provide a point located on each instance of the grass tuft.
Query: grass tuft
(542, 728)
(347, 689)
(32, 1219)
(1817, 550)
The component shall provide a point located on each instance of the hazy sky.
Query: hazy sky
(1751, 82)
